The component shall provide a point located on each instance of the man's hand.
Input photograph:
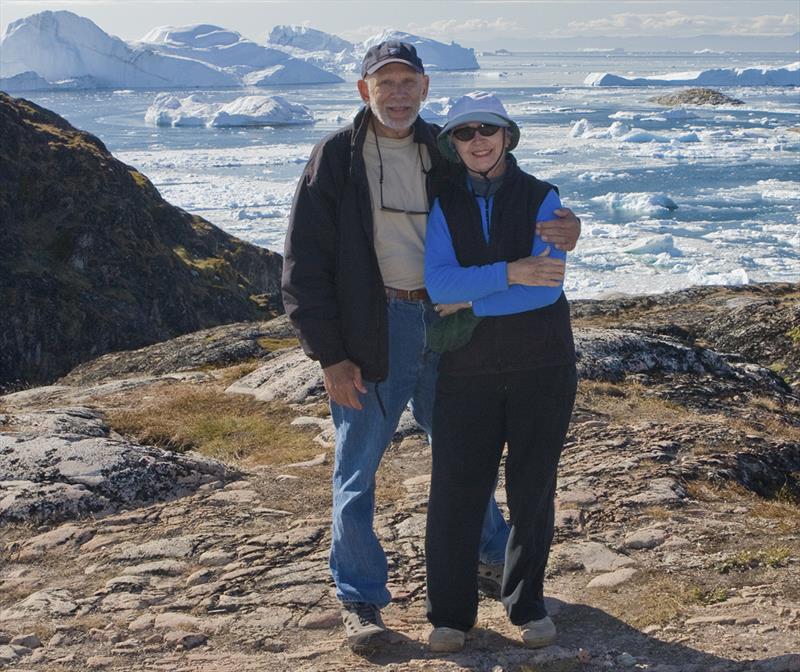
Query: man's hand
(343, 383)
(445, 309)
(541, 270)
(563, 232)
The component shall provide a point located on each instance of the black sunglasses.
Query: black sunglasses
(466, 133)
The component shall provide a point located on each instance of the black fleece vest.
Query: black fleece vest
(520, 342)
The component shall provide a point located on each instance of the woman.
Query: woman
(512, 382)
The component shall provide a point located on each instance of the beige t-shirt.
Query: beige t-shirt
(399, 237)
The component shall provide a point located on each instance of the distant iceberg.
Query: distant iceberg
(787, 75)
(32, 81)
(59, 46)
(64, 46)
(435, 55)
(308, 39)
(169, 110)
(334, 53)
(254, 64)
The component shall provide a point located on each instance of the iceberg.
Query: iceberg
(655, 245)
(25, 81)
(64, 46)
(787, 75)
(435, 55)
(261, 111)
(64, 49)
(236, 54)
(319, 48)
(169, 110)
(308, 39)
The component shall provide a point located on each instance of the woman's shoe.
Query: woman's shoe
(536, 634)
(446, 640)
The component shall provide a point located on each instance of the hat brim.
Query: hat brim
(378, 66)
(445, 144)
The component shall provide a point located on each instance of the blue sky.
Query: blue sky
(479, 23)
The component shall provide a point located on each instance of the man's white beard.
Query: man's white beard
(395, 125)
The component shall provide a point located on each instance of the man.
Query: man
(353, 288)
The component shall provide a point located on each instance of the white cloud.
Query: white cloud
(685, 24)
(449, 28)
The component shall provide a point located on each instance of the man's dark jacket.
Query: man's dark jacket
(332, 285)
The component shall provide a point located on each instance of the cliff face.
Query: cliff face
(93, 260)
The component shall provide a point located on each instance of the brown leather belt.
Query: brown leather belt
(407, 294)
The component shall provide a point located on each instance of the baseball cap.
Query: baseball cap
(391, 51)
(477, 106)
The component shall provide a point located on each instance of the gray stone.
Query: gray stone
(174, 547)
(594, 556)
(61, 538)
(65, 466)
(612, 579)
(646, 538)
(160, 567)
(30, 641)
(51, 602)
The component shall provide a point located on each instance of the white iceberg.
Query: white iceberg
(787, 75)
(25, 81)
(62, 46)
(307, 39)
(255, 64)
(435, 55)
(169, 110)
(584, 129)
(660, 245)
(637, 204)
(261, 111)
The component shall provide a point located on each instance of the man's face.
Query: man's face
(394, 94)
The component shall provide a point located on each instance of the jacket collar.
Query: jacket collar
(459, 177)
(424, 133)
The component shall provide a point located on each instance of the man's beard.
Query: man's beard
(394, 124)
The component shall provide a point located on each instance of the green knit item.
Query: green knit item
(452, 331)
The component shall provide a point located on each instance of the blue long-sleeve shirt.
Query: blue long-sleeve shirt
(486, 286)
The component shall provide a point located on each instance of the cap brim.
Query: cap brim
(378, 66)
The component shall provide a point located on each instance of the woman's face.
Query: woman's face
(482, 153)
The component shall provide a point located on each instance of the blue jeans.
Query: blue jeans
(357, 560)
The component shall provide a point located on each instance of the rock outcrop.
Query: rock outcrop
(697, 96)
(93, 260)
(677, 509)
(64, 464)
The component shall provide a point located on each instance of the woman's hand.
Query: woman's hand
(541, 270)
(445, 309)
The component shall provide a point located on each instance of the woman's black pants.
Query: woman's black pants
(474, 417)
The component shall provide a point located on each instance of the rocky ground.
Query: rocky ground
(678, 525)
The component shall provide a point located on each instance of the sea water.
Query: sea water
(668, 198)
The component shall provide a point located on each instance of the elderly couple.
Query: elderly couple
(423, 266)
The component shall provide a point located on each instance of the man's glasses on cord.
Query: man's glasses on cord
(380, 181)
(466, 133)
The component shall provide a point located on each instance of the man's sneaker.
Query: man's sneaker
(363, 626)
(490, 579)
(446, 640)
(536, 634)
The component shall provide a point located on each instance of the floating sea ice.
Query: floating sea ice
(261, 111)
(639, 135)
(583, 129)
(654, 205)
(738, 276)
(655, 245)
(169, 110)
